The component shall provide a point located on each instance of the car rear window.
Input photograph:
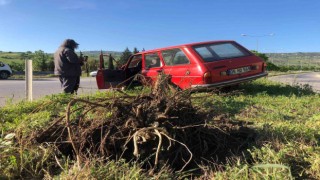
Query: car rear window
(215, 52)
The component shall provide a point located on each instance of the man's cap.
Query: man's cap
(73, 42)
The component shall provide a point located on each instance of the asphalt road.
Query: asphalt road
(313, 79)
(15, 90)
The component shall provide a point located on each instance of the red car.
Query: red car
(195, 65)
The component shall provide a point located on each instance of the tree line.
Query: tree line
(44, 61)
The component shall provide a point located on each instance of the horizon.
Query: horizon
(96, 51)
(287, 26)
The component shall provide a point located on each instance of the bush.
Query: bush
(17, 66)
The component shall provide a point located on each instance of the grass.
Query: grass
(9, 56)
(286, 119)
(279, 73)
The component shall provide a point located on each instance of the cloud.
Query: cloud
(4, 2)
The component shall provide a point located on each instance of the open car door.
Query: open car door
(117, 78)
(110, 77)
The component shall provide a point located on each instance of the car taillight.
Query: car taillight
(207, 77)
(264, 66)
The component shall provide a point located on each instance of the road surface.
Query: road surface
(313, 79)
(15, 90)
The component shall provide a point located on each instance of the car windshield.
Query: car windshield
(219, 51)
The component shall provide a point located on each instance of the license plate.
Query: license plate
(239, 70)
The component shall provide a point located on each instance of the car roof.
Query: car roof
(184, 45)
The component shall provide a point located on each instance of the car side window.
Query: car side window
(152, 60)
(205, 53)
(174, 57)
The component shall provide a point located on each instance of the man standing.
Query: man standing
(67, 65)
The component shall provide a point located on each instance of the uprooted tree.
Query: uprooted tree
(159, 128)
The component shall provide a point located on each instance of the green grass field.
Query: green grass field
(7, 57)
(285, 145)
(295, 59)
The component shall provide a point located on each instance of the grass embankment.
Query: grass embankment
(285, 145)
(279, 73)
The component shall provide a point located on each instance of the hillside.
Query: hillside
(295, 59)
(8, 57)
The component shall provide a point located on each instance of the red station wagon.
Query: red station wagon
(196, 65)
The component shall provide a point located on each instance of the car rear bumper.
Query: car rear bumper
(229, 83)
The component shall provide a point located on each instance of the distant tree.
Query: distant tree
(125, 56)
(135, 50)
(270, 65)
(261, 55)
(50, 64)
(17, 66)
(40, 60)
(24, 56)
(91, 64)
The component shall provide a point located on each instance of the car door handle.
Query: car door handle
(160, 70)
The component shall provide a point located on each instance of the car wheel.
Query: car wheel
(4, 75)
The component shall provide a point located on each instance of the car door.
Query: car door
(183, 72)
(109, 78)
(151, 67)
(134, 66)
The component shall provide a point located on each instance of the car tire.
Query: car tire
(4, 75)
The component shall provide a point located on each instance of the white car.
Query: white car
(93, 73)
(5, 71)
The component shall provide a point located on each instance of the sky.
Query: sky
(269, 26)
